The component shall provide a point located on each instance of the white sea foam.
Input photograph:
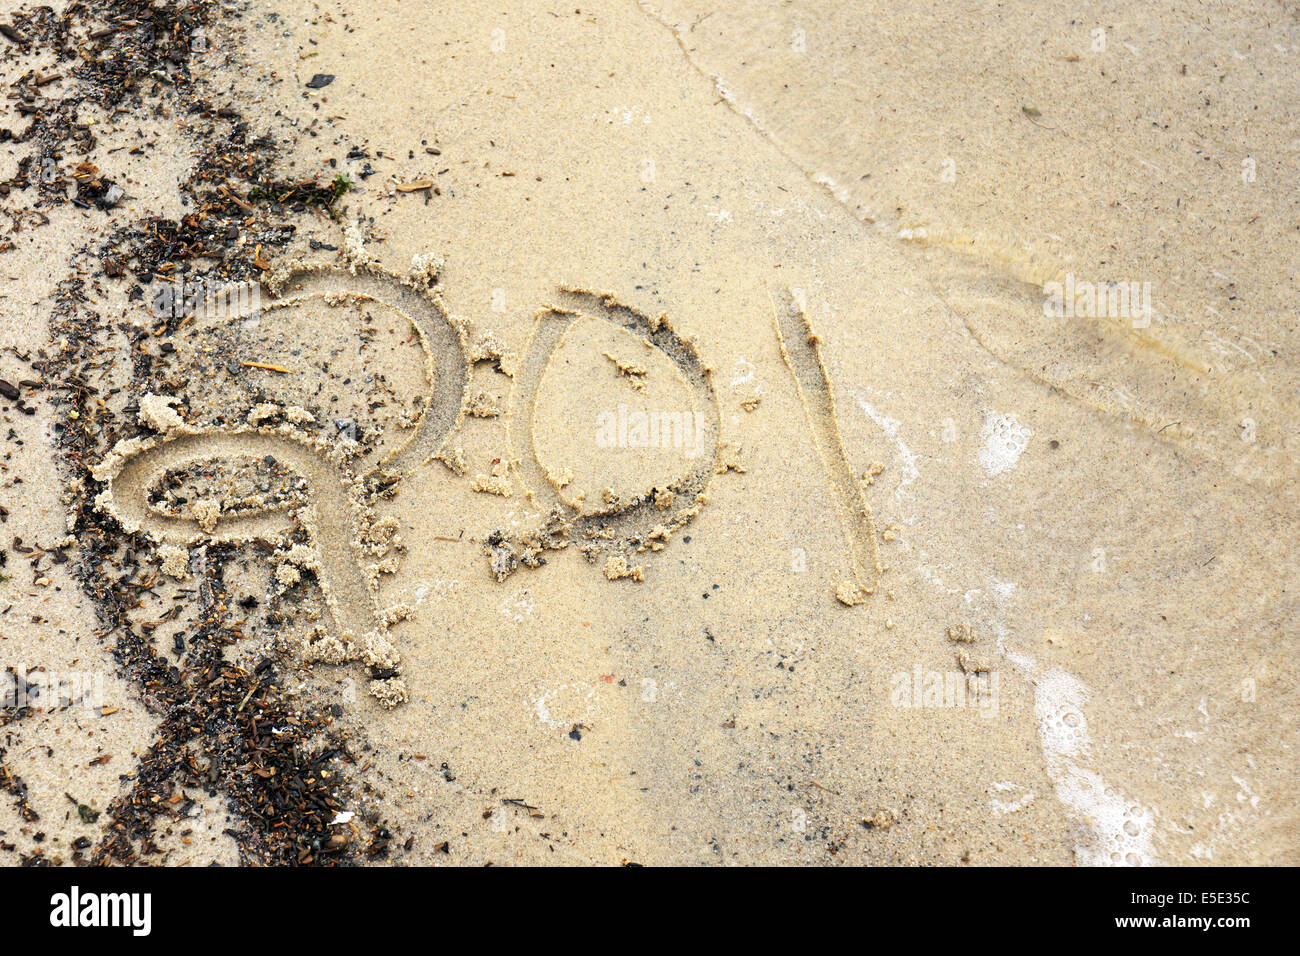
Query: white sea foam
(891, 426)
(1119, 830)
(1005, 440)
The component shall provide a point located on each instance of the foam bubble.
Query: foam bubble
(1119, 830)
(1005, 440)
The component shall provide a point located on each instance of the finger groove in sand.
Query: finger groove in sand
(801, 349)
(625, 525)
(336, 513)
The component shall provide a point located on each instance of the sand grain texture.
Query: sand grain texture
(426, 455)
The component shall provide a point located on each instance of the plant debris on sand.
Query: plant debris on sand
(278, 763)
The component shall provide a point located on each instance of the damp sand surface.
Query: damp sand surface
(702, 463)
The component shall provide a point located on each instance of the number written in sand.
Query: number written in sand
(334, 517)
(335, 513)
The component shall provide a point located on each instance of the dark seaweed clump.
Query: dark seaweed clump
(216, 718)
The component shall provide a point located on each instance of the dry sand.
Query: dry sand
(661, 452)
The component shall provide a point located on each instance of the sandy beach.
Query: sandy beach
(671, 433)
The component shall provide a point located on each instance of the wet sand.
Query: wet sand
(674, 460)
